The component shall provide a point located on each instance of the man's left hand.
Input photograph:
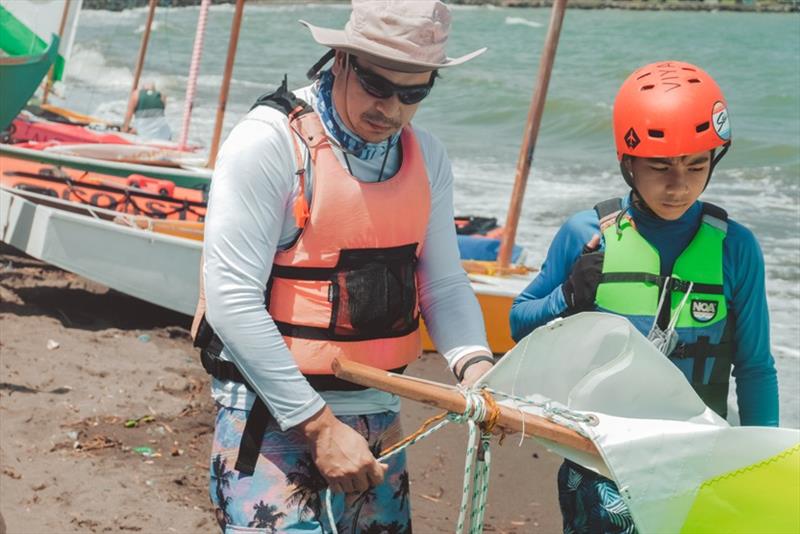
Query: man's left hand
(474, 372)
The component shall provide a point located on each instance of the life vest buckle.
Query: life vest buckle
(681, 286)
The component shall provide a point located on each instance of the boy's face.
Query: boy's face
(670, 186)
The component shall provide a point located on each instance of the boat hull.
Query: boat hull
(495, 295)
(19, 78)
(159, 261)
(191, 178)
(135, 194)
(158, 268)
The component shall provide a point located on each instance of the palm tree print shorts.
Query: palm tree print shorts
(590, 503)
(286, 492)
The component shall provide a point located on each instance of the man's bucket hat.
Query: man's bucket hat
(401, 35)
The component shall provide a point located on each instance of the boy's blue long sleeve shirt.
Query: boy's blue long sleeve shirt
(743, 270)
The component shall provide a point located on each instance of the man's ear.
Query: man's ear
(338, 62)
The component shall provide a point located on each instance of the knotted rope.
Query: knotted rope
(481, 412)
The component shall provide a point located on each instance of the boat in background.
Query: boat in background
(19, 78)
(135, 194)
(29, 127)
(181, 175)
(159, 260)
(120, 251)
(47, 222)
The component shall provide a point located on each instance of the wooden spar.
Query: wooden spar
(62, 24)
(226, 82)
(448, 398)
(194, 70)
(531, 133)
(139, 64)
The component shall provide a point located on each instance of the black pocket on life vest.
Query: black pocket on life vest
(376, 292)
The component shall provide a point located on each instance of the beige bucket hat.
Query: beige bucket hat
(401, 35)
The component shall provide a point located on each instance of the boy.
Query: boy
(685, 275)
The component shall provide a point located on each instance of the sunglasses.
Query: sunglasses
(379, 87)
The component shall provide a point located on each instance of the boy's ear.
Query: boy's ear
(626, 162)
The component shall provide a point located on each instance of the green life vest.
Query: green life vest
(149, 99)
(632, 284)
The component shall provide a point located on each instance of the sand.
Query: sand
(106, 422)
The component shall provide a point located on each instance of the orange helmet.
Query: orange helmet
(669, 109)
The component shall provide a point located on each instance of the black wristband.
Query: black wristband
(471, 361)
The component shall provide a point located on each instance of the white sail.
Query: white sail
(679, 466)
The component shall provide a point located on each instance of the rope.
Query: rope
(194, 69)
(481, 412)
(558, 414)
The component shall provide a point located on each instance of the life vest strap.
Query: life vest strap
(252, 436)
(607, 207)
(303, 273)
(329, 334)
(210, 348)
(674, 284)
(228, 372)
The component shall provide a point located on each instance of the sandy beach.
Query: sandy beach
(106, 422)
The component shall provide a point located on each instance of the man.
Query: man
(329, 231)
(686, 276)
(148, 113)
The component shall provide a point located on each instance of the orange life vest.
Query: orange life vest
(347, 287)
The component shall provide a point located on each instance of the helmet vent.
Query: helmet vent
(658, 134)
(693, 80)
(647, 87)
(702, 127)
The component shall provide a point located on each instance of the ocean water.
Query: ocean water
(479, 110)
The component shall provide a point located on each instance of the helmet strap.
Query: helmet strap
(636, 198)
(625, 173)
(715, 158)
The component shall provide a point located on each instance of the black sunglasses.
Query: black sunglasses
(379, 87)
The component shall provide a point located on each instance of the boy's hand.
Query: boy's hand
(580, 289)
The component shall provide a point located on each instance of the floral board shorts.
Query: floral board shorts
(287, 493)
(590, 503)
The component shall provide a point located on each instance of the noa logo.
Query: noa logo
(704, 310)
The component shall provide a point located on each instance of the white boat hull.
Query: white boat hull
(154, 267)
(163, 269)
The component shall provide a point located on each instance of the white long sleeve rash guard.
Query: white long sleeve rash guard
(250, 217)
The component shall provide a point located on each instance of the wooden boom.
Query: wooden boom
(450, 399)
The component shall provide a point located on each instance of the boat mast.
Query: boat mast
(139, 64)
(194, 69)
(531, 133)
(62, 24)
(226, 82)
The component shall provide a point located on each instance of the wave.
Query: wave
(519, 21)
(89, 66)
(294, 8)
(157, 25)
(214, 81)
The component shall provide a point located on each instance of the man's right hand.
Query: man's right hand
(580, 289)
(341, 454)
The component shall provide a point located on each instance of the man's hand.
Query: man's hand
(475, 372)
(580, 289)
(341, 454)
(471, 368)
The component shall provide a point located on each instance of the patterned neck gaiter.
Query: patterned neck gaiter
(341, 133)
